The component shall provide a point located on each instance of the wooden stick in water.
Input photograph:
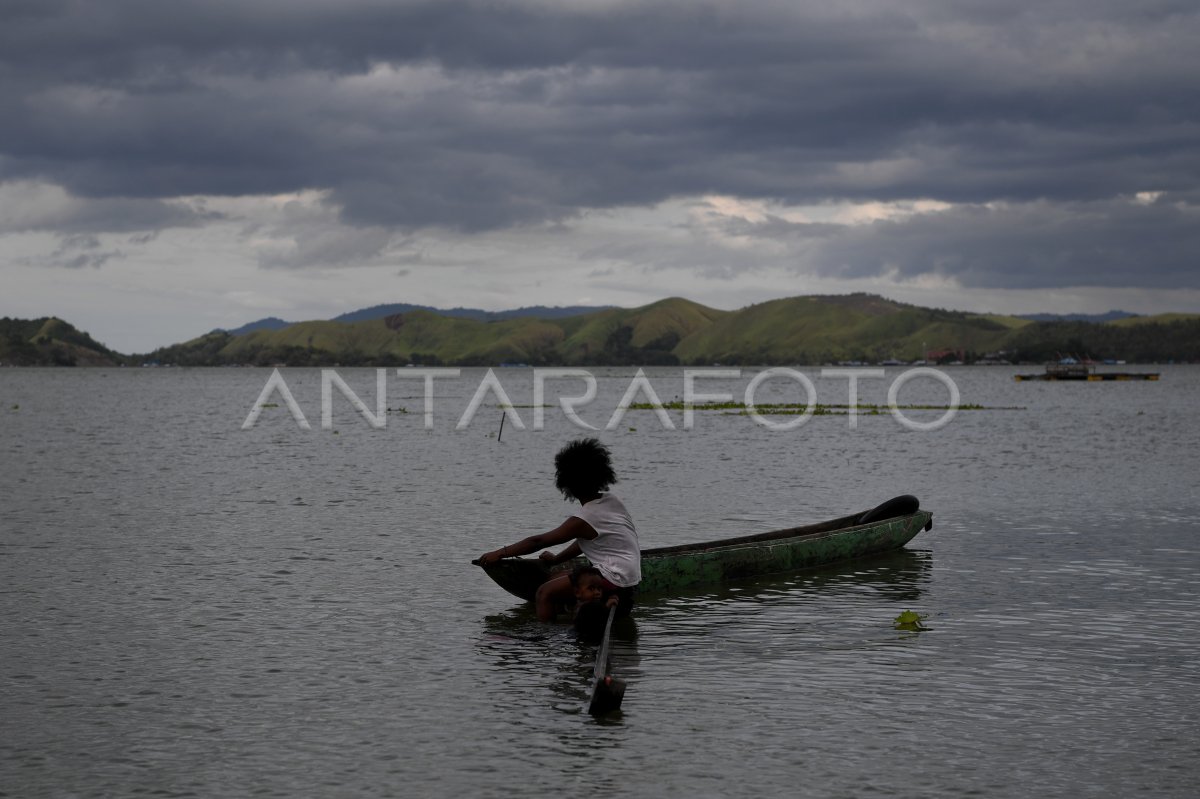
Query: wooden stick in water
(607, 692)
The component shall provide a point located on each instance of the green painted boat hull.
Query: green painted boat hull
(668, 570)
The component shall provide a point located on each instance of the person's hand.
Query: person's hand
(488, 558)
(612, 601)
(548, 557)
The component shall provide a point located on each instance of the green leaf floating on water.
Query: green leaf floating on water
(909, 620)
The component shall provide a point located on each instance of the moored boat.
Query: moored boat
(666, 570)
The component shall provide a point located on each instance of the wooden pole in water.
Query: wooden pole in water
(607, 691)
(501, 433)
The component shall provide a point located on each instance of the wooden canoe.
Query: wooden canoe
(666, 570)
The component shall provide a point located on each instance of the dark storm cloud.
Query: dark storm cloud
(1035, 245)
(1114, 243)
(483, 115)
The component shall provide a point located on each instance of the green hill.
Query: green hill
(1157, 319)
(828, 329)
(795, 330)
(645, 335)
(51, 342)
(1169, 337)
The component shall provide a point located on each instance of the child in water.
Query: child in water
(602, 530)
(589, 585)
(593, 599)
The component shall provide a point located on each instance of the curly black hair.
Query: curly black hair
(583, 468)
(577, 574)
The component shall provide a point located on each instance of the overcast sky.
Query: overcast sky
(171, 167)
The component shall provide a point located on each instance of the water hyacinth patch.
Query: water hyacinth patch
(910, 620)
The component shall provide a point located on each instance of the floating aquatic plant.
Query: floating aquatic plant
(819, 409)
(910, 620)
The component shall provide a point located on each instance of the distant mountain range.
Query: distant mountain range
(479, 315)
(795, 330)
(1110, 316)
(269, 323)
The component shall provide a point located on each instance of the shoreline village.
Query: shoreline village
(639, 395)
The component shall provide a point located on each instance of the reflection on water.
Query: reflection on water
(529, 652)
(898, 575)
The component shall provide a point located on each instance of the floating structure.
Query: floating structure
(1071, 369)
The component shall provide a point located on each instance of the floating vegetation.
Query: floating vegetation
(270, 405)
(16, 407)
(819, 409)
(909, 620)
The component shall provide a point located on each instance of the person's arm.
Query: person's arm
(569, 530)
(572, 551)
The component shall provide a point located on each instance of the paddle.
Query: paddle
(607, 692)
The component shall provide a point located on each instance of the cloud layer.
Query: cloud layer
(1031, 127)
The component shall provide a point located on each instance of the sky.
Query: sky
(167, 168)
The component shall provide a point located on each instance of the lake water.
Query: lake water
(188, 608)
